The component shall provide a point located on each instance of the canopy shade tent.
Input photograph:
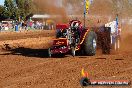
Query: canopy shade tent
(41, 16)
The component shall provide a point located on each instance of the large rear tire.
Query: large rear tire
(90, 44)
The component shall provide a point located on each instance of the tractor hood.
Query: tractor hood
(60, 42)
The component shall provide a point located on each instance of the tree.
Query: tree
(16, 9)
(10, 9)
(1, 9)
(25, 7)
(1, 12)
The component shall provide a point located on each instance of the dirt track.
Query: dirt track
(24, 64)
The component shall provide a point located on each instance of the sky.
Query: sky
(2, 2)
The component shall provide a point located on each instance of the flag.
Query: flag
(117, 24)
(87, 5)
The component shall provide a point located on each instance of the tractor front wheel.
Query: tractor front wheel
(73, 51)
(49, 52)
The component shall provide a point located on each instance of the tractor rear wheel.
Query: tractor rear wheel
(90, 44)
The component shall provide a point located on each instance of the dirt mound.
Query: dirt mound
(38, 43)
(28, 39)
(26, 34)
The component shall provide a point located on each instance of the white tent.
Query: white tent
(41, 16)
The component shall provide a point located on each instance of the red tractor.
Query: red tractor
(73, 38)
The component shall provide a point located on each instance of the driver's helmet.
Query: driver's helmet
(74, 24)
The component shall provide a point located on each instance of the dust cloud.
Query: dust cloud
(126, 38)
(52, 7)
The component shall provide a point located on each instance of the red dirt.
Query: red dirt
(24, 62)
(26, 34)
(29, 67)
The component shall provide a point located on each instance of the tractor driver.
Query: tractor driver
(75, 28)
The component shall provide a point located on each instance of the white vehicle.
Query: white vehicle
(115, 34)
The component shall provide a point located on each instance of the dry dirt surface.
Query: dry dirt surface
(24, 63)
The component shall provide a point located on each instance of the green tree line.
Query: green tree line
(16, 9)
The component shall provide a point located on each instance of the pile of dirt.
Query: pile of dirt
(26, 34)
(33, 43)
(28, 39)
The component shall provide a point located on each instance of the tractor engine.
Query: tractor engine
(68, 37)
(73, 33)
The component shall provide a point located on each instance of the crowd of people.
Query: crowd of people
(24, 25)
(5, 26)
(31, 25)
